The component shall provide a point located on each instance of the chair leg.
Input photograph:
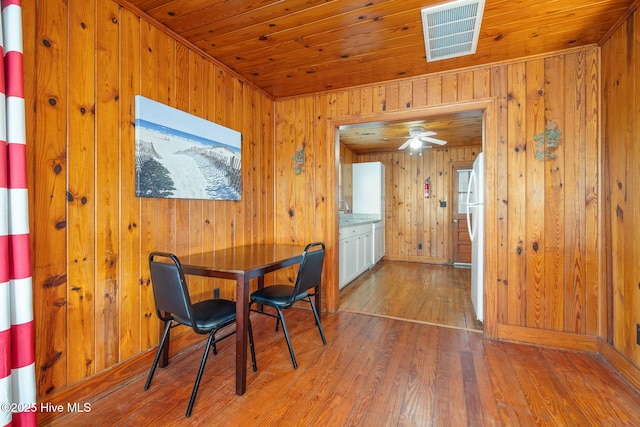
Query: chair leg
(200, 371)
(158, 354)
(315, 314)
(252, 347)
(261, 311)
(286, 336)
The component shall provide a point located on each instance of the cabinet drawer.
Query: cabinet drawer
(354, 230)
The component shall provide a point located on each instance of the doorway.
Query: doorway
(487, 106)
(461, 240)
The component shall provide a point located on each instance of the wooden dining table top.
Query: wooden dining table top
(253, 260)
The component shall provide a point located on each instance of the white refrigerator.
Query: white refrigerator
(368, 199)
(475, 222)
(368, 188)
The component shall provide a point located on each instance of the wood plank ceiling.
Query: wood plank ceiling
(457, 130)
(298, 47)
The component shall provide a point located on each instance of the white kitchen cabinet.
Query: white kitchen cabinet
(348, 260)
(365, 258)
(356, 248)
(378, 241)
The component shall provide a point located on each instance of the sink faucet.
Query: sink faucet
(347, 208)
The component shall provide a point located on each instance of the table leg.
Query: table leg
(242, 324)
(260, 286)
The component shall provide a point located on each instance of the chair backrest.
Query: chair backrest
(310, 271)
(170, 290)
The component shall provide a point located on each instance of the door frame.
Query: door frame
(490, 142)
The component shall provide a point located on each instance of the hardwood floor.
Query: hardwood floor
(427, 293)
(374, 371)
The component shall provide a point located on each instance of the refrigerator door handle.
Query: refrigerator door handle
(469, 186)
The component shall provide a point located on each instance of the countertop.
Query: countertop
(350, 220)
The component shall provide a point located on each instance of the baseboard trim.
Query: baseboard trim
(564, 340)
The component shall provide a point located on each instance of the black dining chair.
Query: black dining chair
(174, 307)
(281, 297)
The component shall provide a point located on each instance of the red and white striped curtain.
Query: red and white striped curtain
(17, 361)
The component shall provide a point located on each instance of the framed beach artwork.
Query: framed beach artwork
(182, 156)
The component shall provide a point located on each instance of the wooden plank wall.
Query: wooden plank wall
(543, 250)
(90, 235)
(621, 181)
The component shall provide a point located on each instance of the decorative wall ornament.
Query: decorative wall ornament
(298, 160)
(547, 141)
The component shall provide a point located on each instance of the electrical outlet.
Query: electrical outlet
(419, 245)
(638, 333)
(216, 293)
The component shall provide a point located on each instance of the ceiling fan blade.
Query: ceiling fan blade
(406, 144)
(426, 133)
(432, 140)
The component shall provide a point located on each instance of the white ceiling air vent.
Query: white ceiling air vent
(452, 29)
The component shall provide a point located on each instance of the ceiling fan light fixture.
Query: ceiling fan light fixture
(415, 143)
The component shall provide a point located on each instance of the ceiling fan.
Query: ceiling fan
(418, 137)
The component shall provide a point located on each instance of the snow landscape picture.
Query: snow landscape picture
(182, 156)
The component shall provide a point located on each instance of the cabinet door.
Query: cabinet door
(378, 245)
(360, 250)
(343, 263)
(350, 259)
(366, 258)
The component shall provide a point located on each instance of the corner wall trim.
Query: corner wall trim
(620, 363)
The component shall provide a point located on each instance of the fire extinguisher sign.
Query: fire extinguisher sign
(427, 188)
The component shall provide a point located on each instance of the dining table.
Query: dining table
(242, 264)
